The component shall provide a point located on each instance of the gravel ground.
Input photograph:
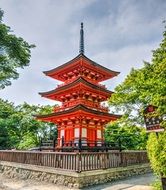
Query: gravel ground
(134, 183)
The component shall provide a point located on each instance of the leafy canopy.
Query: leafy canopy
(143, 87)
(18, 127)
(128, 137)
(15, 53)
(157, 153)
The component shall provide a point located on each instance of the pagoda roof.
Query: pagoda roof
(79, 80)
(78, 61)
(77, 109)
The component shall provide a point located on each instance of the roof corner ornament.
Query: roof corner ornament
(81, 50)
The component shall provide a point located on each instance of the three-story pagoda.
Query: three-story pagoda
(81, 117)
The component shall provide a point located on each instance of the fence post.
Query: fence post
(121, 159)
(103, 161)
(79, 163)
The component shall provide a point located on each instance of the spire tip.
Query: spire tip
(81, 50)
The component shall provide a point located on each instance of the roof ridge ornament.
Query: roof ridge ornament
(81, 50)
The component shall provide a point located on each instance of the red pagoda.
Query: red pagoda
(81, 118)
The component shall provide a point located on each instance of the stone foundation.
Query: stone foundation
(67, 178)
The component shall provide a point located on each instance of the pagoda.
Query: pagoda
(81, 117)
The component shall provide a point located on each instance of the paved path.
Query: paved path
(141, 182)
(134, 183)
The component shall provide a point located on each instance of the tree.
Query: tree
(157, 153)
(128, 137)
(20, 129)
(29, 140)
(15, 53)
(4, 136)
(143, 87)
(6, 110)
(29, 129)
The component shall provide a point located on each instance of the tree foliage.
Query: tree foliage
(15, 53)
(157, 152)
(6, 110)
(143, 87)
(19, 128)
(128, 137)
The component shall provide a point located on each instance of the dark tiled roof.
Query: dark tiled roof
(77, 58)
(77, 81)
(76, 108)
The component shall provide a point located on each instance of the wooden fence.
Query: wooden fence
(76, 161)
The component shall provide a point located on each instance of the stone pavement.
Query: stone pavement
(134, 183)
(141, 182)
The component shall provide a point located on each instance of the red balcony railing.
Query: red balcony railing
(87, 103)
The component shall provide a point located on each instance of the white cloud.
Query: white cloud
(118, 35)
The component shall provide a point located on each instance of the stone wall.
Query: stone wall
(67, 178)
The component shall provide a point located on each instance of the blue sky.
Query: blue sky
(119, 34)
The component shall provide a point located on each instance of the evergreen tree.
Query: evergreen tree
(15, 53)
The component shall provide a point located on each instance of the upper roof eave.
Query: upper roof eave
(102, 67)
(50, 72)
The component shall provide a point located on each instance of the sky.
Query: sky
(118, 34)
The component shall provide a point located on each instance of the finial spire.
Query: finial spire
(81, 39)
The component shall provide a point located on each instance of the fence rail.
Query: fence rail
(76, 161)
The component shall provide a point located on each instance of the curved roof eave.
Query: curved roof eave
(77, 57)
(80, 79)
(78, 107)
(61, 66)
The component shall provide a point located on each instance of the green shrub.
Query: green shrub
(157, 185)
(29, 140)
(156, 147)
